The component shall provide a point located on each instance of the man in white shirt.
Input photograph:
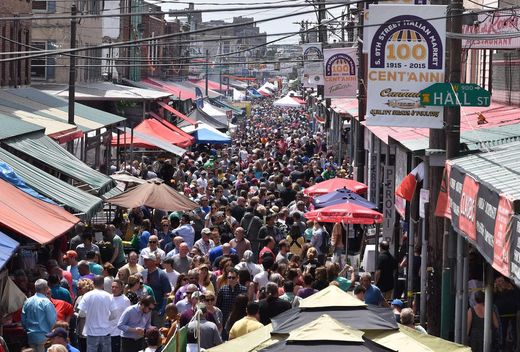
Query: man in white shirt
(121, 302)
(153, 247)
(202, 181)
(204, 244)
(98, 308)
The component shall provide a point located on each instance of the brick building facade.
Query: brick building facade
(15, 35)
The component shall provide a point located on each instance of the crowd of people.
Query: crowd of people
(243, 256)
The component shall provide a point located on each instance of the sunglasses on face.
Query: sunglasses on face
(231, 277)
(152, 241)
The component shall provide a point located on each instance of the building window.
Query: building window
(44, 5)
(43, 68)
(38, 69)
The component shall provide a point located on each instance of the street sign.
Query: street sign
(455, 94)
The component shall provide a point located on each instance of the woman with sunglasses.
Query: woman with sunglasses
(205, 278)
(209, 300)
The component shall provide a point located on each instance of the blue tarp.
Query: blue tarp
(204, 135)
(7, 247)
(342, 196)
(7, 174)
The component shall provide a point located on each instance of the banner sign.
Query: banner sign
(455, 193)
(493, 23)
(514, 256)
(487, 205)
(340, 72)
(368, 29)
(502, 238)
(483, 216)
(388, 200)
(406, 56)
(312, 70)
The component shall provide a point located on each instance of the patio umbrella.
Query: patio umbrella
(347, 212)
(126, 177)
(342, 196)
(154, 194)
(334, 184)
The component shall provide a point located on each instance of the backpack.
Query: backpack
(325, 242)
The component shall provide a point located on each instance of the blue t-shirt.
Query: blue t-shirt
(71, 348)
(217, 252)
(143, 239)
(160, 284)
(373, 295)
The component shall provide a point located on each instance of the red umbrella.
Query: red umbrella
(346, 212)
(334, 184)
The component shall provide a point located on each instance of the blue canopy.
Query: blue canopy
(253, 92)
(205, 135)
(342, 195)
(7, 247)
(7, 174)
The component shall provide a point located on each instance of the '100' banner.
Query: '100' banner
(406, 55)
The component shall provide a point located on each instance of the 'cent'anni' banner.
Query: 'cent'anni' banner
(406, 56)
(340, 66)
(312, 64)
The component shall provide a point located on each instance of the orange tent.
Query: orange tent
(23, 214)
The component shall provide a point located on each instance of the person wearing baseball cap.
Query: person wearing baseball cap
(397, 306)
(60, 336)
(71, 258)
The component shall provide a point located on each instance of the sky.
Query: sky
(271, 27)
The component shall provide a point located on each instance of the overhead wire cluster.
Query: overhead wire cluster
(162, 39)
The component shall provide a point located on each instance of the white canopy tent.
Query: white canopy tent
(238, 95)
(287, 102)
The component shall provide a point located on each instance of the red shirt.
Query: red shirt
(63, 309)
(261, 254)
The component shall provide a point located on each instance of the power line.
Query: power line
(136, 41)
(160, 13)
(164, 36)
(202, 64)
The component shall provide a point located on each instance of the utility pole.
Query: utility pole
(220, 64)
(72, 71)
(452, 123)
(207, 70)
(358, 134)
(322, 37)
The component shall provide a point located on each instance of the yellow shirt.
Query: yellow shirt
(244, 326)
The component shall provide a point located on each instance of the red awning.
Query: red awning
(211, 85)
(156, 129)
(66, 136)
(238, 78)
(177, 113)
(172, 127)
(298, 100)
(345, 106)
(31, 217)
(170, 87)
